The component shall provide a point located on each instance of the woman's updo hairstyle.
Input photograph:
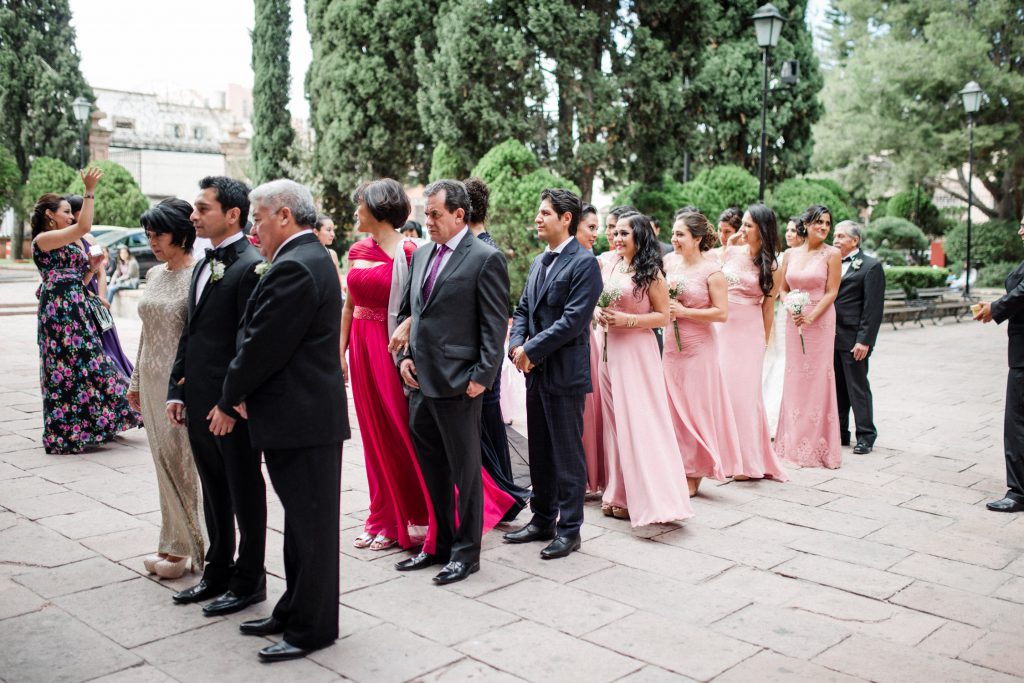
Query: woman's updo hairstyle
(732, 216)
(48, 202)
(809, 217)
(699, 226)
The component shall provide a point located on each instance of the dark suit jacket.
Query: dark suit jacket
(457, 335)
(859, 304)
(1010, 307)
(552, 323)
(210, 336)
(288, 367)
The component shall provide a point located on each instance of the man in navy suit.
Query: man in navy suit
(550, 341)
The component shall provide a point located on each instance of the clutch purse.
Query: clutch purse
(100, 315)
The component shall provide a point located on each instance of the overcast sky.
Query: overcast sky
(201, 45)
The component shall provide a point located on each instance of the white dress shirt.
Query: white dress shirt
(557, 250)
(204, 274)
(846, 264)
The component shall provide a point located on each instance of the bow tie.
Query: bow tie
(548, 258)
(848, 259)
(215, 254)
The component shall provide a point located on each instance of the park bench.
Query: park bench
(937, 303)
(898, 309)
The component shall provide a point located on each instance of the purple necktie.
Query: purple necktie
(428, 286)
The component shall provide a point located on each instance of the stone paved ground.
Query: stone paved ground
(889, 569)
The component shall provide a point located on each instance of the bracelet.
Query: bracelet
(89, 195)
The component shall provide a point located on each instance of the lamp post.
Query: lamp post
(971, 97)
(768, 23)
(81, 108)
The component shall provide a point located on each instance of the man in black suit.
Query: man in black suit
(1011, 307)
(228, 465)
(287, 368)
(858, 317)
(550, 341)
(457, 297)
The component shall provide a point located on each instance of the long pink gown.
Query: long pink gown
(741, 348)
(399, 502)
(645, 473)
(698, 401)
(593, 427)
(808, 432)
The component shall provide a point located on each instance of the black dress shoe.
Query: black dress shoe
(529, 533)
(262, 627)
(1006, 505)
(861, 448)
(199, 592)
(279, 652)
(456, 571)
(844, 441)
(421, 561)
(561, 547)
(229, 603)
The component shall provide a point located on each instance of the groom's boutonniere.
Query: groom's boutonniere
(856, 263)
(262, 268)
(216, 270)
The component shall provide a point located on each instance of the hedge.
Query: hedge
(991, 242)
(994, 274)
(913, 278)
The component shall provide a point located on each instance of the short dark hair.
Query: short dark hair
(455, 195)
(586, 210)
(414, 226)
(564, 202)
(171, 216)
(733, 216)
(479, 197)
(386, 199)
(621, 210)
(320, 220)
(76, 201)
(231, 193)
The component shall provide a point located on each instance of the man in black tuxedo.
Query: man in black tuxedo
(287, 368)
(858, 317)
(457, 297)
(550, 342)
(1011, 307)
(228, 465)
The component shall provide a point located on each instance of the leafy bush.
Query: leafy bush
(890, 257)
(832, 186)
(446, 163)
(916, 206)
(991, 242)
(881, 209)
(895, 233)
(119, 201)
(601, 244)
(516, 181)
(733, 186)
(46, 175)
(913, 278)
(793, 196)
(994, 274)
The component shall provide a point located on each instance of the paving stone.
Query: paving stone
(919, 487)
(467, 670)
(999, 651)
(75, 470)
(951, 639)
(1012, 590)
(358, 574)
(882, 661)
(845, 576)
(770, 667)
(797, 494)
(26, 487)
(565, 608)
(94, 522)
(957, 605)
(384, 654)
(12, 442)
(654, 674)
(136, 674)
(143, 613)
(51, 646)
(756, 585)
(765, 530)
(491, 577)
(853, 550)
(883, 512)
(813, 517)
(15, 600)
(74, 577)
(857, 489)
(63, 503)
(527, 559)
(950, 573)
(783, 629)
(30, 545)
(656, 557)
(728, 546)
(948, 545)
(218, 652)
(121, 545)
(415, 604)
(697, 652)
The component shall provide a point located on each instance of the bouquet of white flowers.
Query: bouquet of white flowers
(795, 302)
(608, 297)
(676, 286)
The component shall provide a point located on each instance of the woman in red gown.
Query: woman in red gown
(400, 510)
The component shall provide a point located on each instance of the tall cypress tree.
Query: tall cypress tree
(272, 127)
(39, 79)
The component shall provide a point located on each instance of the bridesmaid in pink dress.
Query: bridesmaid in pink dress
(400, 510)
(698, 400)
(593, 444)
(645, 473)
(808, 433)
(749, 270)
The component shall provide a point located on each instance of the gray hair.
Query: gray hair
(852, 228)
(278, 194)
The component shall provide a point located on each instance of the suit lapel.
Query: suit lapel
(235, 250)
(454, 261)
(192, 290)
(560, 262)
(416, 277)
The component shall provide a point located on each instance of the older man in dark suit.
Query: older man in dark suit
(550, 341)
(457, 298)
(858, 317)
(1011, 307)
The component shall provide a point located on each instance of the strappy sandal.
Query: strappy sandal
(364, 540)
(620, 513)
(382, 542)
(606, 510)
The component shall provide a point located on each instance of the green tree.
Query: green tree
(119, 201)
(733, 185)
(46, 175)
(895, 233)
(39, 79)
(991, 242)
(10, 180)
(445, 163)
(793, 196)
(516, 180)
(916, 206)
(273, 134)
(895, 118)
(362, 86)
(661, 200)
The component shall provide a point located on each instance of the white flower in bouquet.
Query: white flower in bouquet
(608, 297)
(676, 287)
(795, 302)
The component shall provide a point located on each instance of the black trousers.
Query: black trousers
(558, 465)
(446, 435)
(854, 391)
(308, 482)
(233, 490)
(1013, 434)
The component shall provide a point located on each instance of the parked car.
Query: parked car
(98, 230)
(135, 240)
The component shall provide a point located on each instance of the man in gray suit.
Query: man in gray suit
(457, 297)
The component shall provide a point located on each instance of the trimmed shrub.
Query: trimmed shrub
(733, 186)
(913, 278)
(832, 186)
(119, 201)
(994, 274)
(991, 242)
(890, 257)
(916, 206)
(445, 163)
(793, 196)
(895, 233)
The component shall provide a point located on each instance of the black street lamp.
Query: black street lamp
(971, 96)
(768, 23)
(81, 108)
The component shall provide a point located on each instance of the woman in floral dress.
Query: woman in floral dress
(84, 403)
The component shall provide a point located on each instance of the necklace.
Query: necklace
(624, 268)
